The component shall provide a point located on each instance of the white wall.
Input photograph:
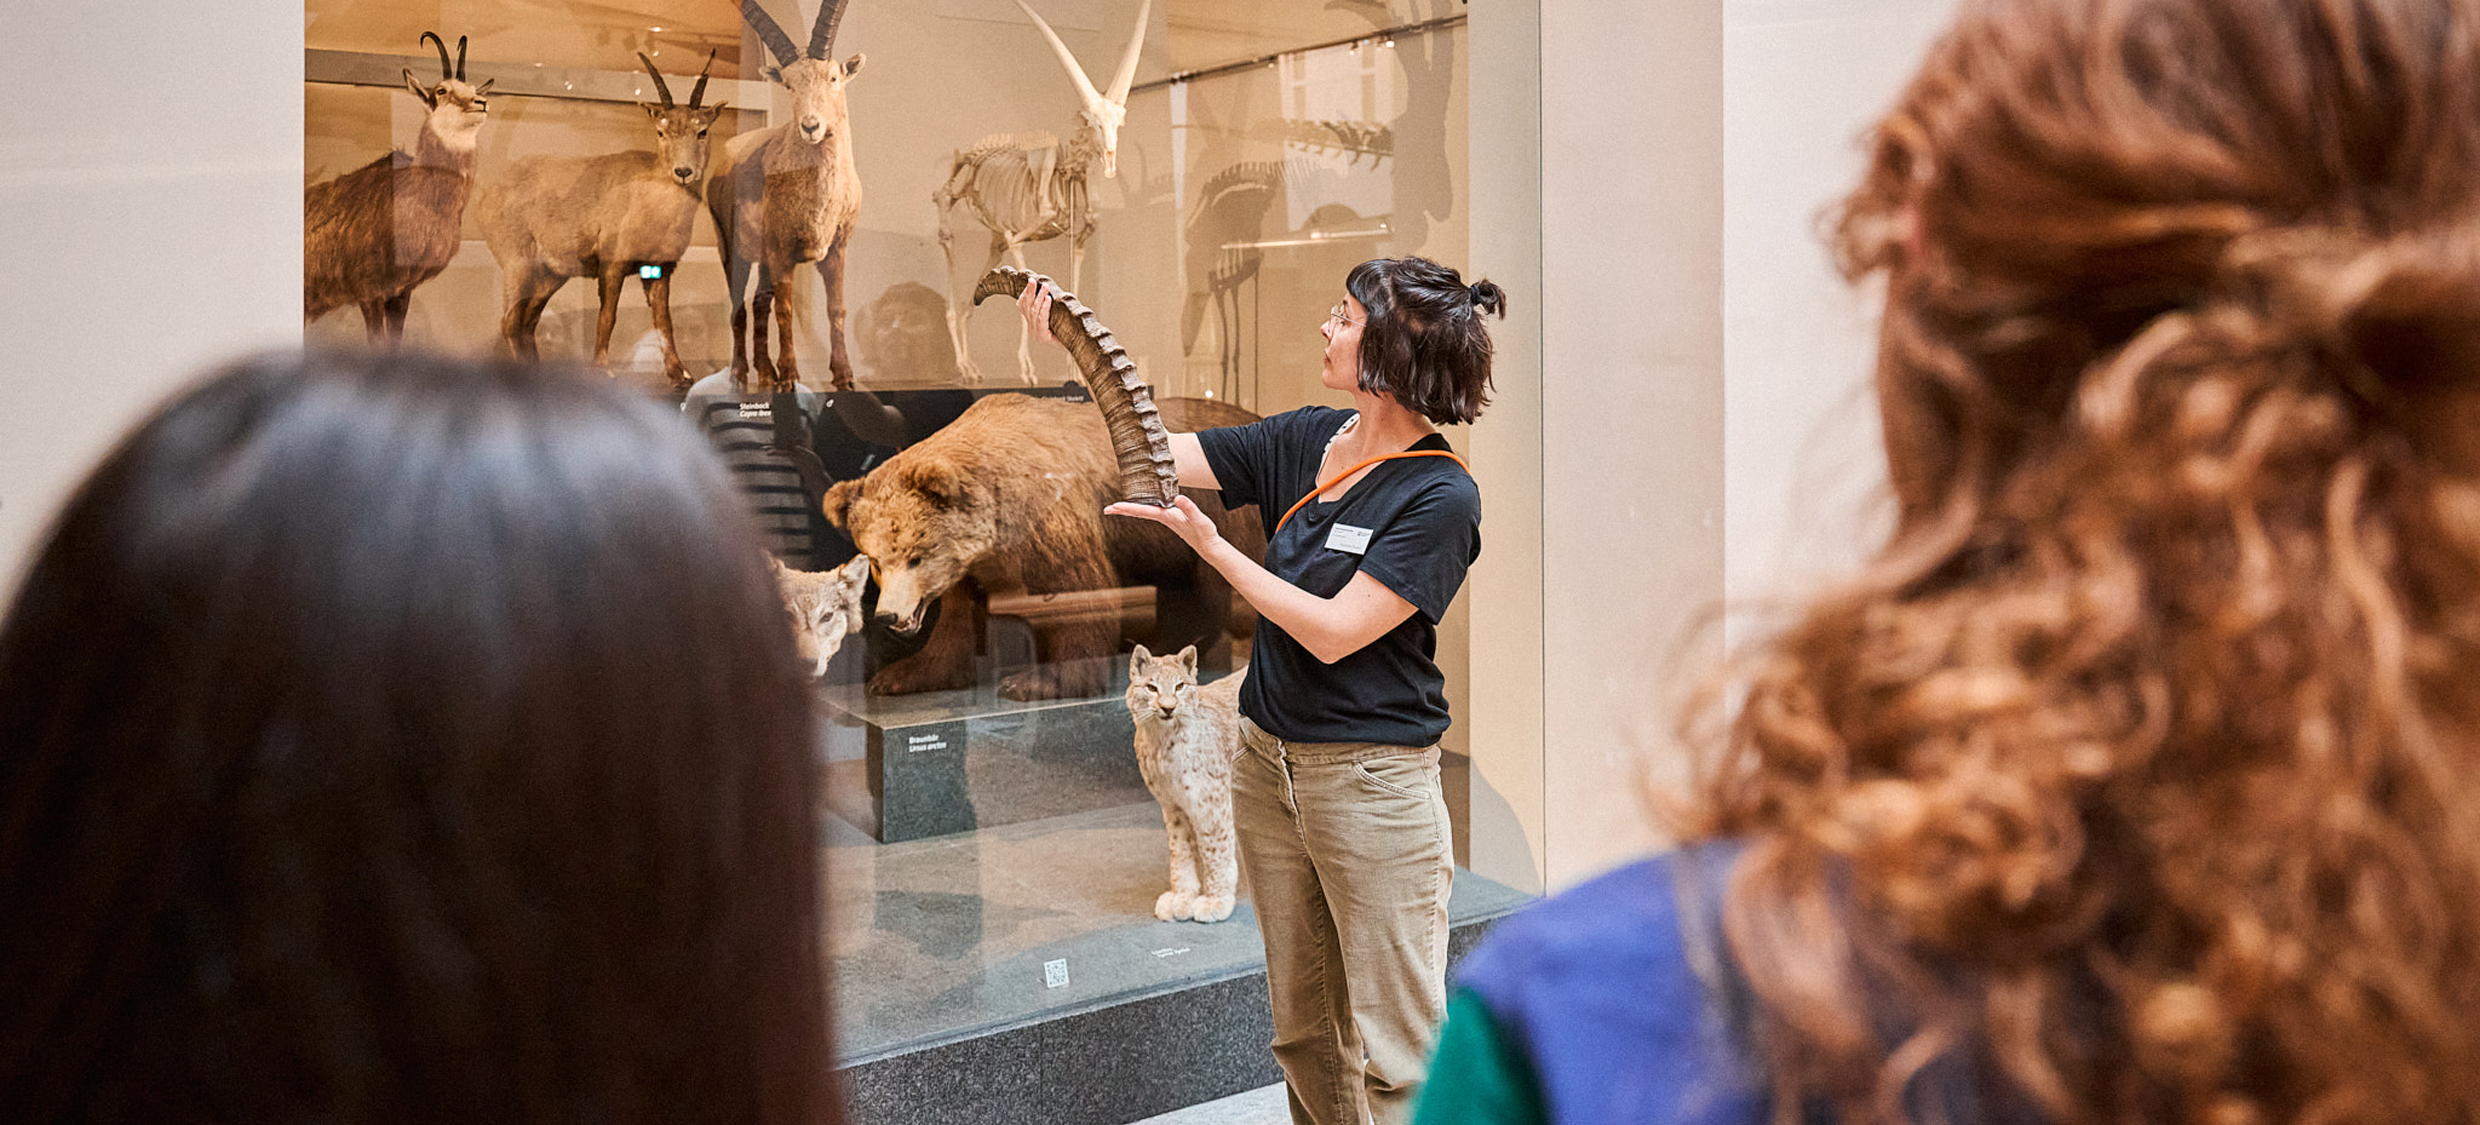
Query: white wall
(1706, 432)
(1804, 496)
(152, 225)
(1632, 403)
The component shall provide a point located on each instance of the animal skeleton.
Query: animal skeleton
(786, 195)
(1030, 187)
(370, 236)
(1354, 139)
(549, 219)
(1223, 254)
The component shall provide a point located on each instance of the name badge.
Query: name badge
(1348, 539)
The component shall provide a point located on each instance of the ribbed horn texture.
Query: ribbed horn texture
(1147, 474)
(822, 34)
(446, 71)
(660, 89)
(769, 32)
(460, 58)
(697, 93)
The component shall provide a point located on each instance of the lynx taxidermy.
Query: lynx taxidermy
(1187, 736)
(825, 607)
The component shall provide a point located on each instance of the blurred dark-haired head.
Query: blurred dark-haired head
(400, 738)
(1424, 343)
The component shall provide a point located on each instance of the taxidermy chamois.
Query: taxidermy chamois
(789, 194)
(1027, 187)
(373, 234)
(549, 219)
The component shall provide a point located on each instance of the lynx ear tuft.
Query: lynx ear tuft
(1188, 660)
(1136, 662)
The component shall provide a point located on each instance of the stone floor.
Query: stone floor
(1261, 1106)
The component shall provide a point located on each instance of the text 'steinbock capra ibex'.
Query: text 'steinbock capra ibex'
(1027, 187)
(373, 234)
(789, 194)
(549, 219)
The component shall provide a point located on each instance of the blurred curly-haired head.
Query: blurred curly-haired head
(2143, 763)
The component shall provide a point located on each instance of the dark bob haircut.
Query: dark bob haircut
(394, 739)
(1424, 343)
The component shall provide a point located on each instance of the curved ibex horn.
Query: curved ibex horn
(698, 92)
(460, 58)
(1146, 472)
(769, 32)
(822, 34)
(661, 90)
(446, 71)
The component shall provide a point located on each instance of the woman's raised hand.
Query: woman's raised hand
(1035, 305)
(1182, 518)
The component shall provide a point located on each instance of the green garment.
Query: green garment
(1477, 1076)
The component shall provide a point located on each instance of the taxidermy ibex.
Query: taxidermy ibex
(1028, 187)
(1143, 448)
(789, 194)
(549, 219)
(373, 234)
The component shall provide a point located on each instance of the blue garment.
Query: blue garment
(1619, 1001)
(1618, 993)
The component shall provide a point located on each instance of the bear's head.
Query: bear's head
(923, 522)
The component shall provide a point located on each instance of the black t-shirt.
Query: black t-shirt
(1413, 524)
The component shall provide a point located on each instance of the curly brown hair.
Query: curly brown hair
(2141, 768)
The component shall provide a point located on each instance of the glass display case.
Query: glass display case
(993, 852)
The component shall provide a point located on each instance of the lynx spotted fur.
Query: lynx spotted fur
(825, 608)
(1187, 736)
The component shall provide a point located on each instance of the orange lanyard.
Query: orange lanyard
(1339, 478)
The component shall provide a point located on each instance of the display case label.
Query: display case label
(1055, 973)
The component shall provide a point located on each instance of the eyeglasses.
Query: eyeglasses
(1335, 315)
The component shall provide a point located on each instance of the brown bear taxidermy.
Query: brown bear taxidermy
(1007, 499)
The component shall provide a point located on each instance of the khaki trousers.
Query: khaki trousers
(1346, 850)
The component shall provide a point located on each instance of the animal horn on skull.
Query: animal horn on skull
(769, 32)
(662, 89)
(1067, 59)
(1126, 77)
(447, 70)
(1142, 446)
(697, 93)
(822, 33)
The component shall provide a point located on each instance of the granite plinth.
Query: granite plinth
(911, 767)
